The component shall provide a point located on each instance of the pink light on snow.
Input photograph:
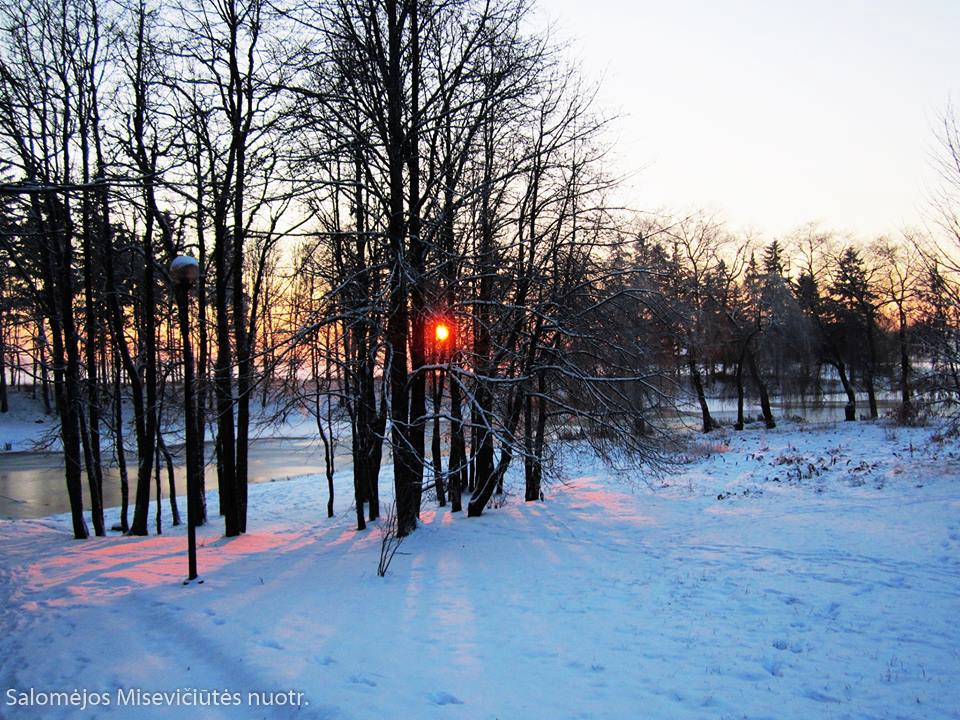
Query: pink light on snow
(101, 569)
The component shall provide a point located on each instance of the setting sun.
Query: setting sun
(442, 332)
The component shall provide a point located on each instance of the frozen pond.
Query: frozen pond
(32, 483)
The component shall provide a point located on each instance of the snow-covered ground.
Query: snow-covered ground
(806, 572)
(25, 426)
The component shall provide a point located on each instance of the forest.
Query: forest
(405, 227)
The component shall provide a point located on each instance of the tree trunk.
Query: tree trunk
(871, 370)
(223, 387)
(4, 407)
(405, 462)
(115, 315)
(850, 409)
(697, 382)
(530, 492)
(329, 449)
(437, 456)
(91, 326)
(418, 379)
(244, 370)
(44, 369)
(156, 474)
(318, 416)
(59, 301)
(906, 396)
(481, 448)
(329, 467)
(171, 480)
(202, 374)
(768, 420)
(244, 345)
(148, 334)
(539, 438)
(739, 424)
(358, 446)
(457, 460)
(95, 491)
(120, 451)
(483, 457)
(510, 431)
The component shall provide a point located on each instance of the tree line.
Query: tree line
(352, 175)
(810, 315)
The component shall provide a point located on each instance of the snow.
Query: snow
(25, 426)
(810, 571)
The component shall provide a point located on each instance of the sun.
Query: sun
(442, 332)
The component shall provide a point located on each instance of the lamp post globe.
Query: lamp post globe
(184, 270)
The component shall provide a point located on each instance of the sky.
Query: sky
(773, 114)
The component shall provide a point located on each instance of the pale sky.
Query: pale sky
(773, 113)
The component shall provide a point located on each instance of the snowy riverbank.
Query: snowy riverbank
(811, 571)
(27, 428)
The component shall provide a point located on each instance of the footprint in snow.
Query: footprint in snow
(820, 697)
(444, 698)
(362, 680)
(324, 660)
(272, 644)
(774, 667)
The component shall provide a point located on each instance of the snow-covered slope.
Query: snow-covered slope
(801, 573)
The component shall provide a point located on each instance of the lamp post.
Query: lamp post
(184, 270)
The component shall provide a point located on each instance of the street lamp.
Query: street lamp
(184, 270)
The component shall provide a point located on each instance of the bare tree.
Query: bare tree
(38, 108)
(898, 287)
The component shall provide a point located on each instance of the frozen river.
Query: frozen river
(32, 483)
